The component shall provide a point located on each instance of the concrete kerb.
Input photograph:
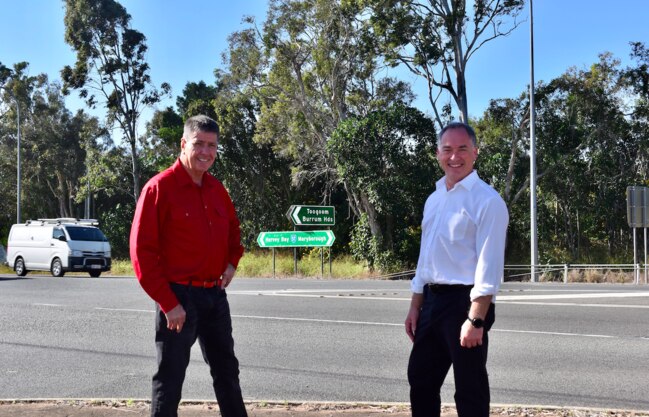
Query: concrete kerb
(108, 407)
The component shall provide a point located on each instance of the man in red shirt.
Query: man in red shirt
(185, 247)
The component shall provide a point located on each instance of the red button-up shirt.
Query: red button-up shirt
(182, 231)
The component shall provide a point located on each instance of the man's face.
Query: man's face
(456, 155)
(198, 151)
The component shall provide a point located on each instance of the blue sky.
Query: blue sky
(186, 39)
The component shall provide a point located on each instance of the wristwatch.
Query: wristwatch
(476, 322)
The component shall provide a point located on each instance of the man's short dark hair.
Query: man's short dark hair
(458, 125)
(201, 123)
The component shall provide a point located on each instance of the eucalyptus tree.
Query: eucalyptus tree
(17, 92)
(197, 98)
(253, 173)
(435, 39)
(310, 67)
(636, 77)
(111, 67)
(589, 148)
(163, 133)
(503, 141)
(585, 140)
(53, 153)
(390, 155)
(57, 157)
(586, 154)
(8, 142)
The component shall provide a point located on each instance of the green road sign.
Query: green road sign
(312, 215)
(315, 238)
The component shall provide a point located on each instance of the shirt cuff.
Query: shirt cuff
(416, 286)
(481, 291)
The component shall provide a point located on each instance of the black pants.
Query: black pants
(208, 319)
(437, 346)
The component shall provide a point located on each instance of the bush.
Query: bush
(367, 248)
(593, 276)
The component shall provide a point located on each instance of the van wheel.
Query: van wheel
(94, 274)
(57, 268)
(19, 267)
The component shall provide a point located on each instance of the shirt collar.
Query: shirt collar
(183, 178)
(467, 183)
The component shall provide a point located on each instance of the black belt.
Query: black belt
(441, 288)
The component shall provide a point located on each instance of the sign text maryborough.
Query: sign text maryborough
(315, 238)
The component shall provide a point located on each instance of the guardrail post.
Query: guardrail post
(565, 273)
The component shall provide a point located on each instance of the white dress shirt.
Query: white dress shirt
(463, 237)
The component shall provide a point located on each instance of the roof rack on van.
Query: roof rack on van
(66, 220)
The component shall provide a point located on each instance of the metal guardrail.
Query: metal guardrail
(560, 272)
(578, 272)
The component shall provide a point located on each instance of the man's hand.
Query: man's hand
(176, 318)
(411, 323)
(470, 336)
(227, 276)
(413, 315)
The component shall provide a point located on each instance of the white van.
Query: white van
(59, 246)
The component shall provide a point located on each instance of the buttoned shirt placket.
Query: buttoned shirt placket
(434, 233)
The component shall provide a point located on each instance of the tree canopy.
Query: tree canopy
(111, 67)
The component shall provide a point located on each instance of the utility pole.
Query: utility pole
(533, 227)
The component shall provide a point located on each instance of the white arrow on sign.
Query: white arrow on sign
(330, 238)
(296, 218)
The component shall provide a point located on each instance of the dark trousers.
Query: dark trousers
(437, 346)
(208, 319)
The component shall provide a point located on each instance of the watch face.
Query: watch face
(477, 323)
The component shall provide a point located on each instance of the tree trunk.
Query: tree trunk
(372, 217)
(135, 164)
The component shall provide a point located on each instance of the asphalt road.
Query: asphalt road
(322, 340)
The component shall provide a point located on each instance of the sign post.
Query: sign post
(637, 210)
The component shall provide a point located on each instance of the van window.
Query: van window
(57, 232)
(86, 233)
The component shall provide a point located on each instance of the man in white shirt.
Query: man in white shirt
(459, 271)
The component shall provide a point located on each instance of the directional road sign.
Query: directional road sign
(315, 238)
(312, 215)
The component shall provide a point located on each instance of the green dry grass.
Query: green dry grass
(260, 264)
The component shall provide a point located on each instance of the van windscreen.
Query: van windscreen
(86, 233)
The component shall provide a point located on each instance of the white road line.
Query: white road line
(338, 290)
(602, 336)
(536, 303)
(131, 310)
(49, 305)
(570, 296)
(501, 298)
